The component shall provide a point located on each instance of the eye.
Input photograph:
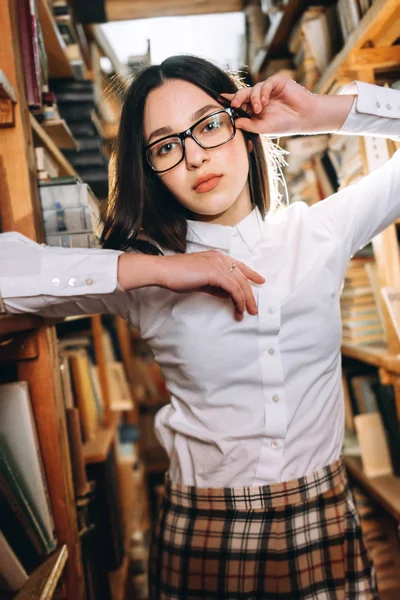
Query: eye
(214, 123)
(166, 148)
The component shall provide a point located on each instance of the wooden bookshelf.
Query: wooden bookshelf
(43, 581)
(61, 134)
(378, 28)
(385, 489)
(42, 138)
(59, 65)
(96, 450)
(376, 355)
(10, 324)
(277, 36)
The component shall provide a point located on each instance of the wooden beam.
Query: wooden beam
(122, 10)
(373, 58)
(379, 27)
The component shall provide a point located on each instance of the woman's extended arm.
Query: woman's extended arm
(56, 282)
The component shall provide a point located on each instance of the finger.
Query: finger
(250, 273)
(227, 96)
(265, 92)
(232, 286)
(221, 293)
(255, 98)
(250, 125)
(251, 303)
(241, 96)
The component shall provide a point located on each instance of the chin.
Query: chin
(211, 206)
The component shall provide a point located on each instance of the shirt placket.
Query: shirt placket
(275, 420)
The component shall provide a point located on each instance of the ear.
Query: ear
(250, 145)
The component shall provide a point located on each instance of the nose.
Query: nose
(195, 155)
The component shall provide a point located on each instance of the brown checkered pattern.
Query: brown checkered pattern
(299, 539)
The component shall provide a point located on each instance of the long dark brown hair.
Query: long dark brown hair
(139, 201)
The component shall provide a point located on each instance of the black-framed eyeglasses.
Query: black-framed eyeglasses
(213, 130)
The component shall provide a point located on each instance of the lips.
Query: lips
(206, 183)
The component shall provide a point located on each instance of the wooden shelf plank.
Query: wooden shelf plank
(10, 324)
(96, 450)
(61, 134)
(43, 139)
(376, 26)
(376, 355)
(59, 65)
(42, 583)
(385, 489)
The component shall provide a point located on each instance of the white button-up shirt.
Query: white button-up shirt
(256, 401)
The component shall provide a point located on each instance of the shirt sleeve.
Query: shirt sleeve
(359, 212)
(375, 111)
(57, 282)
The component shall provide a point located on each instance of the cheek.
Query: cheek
(175, 180)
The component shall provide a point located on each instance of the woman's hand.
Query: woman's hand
(279, 106)
(209, 271)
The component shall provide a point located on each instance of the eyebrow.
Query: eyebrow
(195, 116)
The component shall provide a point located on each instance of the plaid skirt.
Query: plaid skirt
(290, 540)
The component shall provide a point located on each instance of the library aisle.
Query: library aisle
(81, 470)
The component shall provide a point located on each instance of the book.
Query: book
(364, 394)
(348, 408)
(81, 484)
(18, 431)
(12, 573)
(17, 518)
(107, 514)
(70, 220)
(73, 240)
(387, 407)
(79, 364)
(391, 298)
(373, 444)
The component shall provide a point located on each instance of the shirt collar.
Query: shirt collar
(213, 235)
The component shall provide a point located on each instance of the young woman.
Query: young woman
(257, 504)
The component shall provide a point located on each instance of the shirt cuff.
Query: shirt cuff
(375, 111)
(67, 274)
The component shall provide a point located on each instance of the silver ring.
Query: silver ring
(233, 267)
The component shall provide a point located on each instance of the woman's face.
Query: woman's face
(224, 198)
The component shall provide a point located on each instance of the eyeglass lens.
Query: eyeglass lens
(212, 131)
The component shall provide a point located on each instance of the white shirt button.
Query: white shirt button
(55, 281)
(73, 282)
(275, 398)
(274, 444)
(89, 281)
(271, 309)
(378, 105)
(234, 232)
(389, 106)
(271, 351)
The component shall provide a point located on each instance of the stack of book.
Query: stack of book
(76, 104)
(346, 158)
(71, 213)
(72, 34)
(350, 14)
(26, 520)
(360, 316)
(314, 42)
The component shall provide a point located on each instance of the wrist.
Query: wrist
(138, 270)
(331, 112)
